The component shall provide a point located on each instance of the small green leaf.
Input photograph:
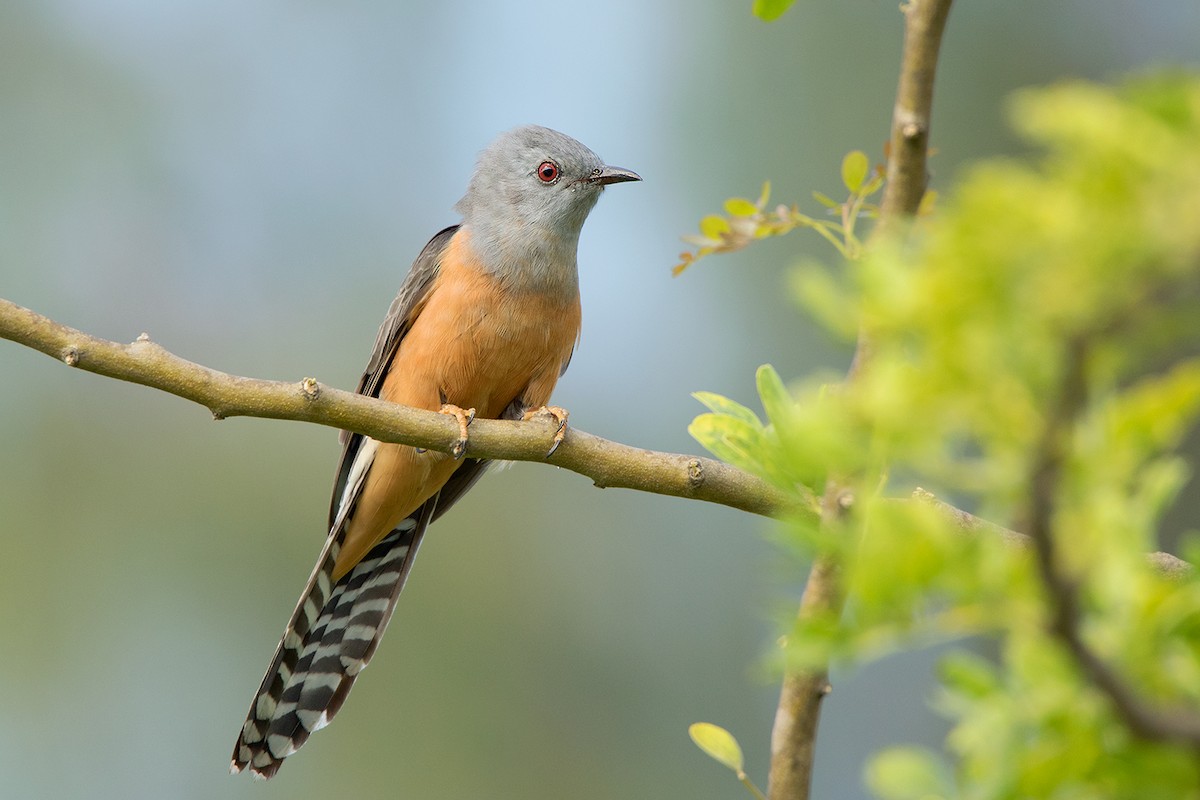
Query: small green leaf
(719, 404)
(872, 186)
(854, 169)
(718, 743)
(777, 401)
(714, 226)
(733, 440)
(826, 200)
(764, 195)
(826, 296)
(740, 207)
(907, 773)
(771, 10)
(928, 202)
(968, 674)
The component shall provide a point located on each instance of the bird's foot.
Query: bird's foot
(464, 417)
(559, 415)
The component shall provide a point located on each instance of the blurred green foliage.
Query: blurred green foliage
(972, 318)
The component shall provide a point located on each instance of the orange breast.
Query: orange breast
(477, 343)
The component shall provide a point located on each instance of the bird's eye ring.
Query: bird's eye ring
(547, 172)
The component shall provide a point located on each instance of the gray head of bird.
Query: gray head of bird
(531, 192)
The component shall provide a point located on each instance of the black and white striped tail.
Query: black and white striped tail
(331, 637)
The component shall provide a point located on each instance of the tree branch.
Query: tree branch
(924, 22)
(793, 737)
(912, 118)
(1180, 726)
(1166, 565)
(608, 464)
(794, 734)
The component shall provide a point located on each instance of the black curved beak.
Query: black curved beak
(607, 175)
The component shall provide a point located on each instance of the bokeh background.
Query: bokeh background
(248, 183)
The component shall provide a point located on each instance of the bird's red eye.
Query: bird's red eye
(548, 171)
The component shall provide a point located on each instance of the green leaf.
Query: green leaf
(872, 186)
(928, 202)
(734, 441)
(740, 207)
(719, 744)
(826, 200)
(771, 10)
(719, 404)
(907, 773)
(777, 401)
(764, 195)
(855, 167)
(714, 226)
(968, 674)
(827, 297)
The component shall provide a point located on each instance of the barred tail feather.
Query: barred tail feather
(333, 633)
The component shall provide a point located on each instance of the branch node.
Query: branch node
(70, 355)
(310, 388)
(695, 473)
(218, 414)
(912, 126)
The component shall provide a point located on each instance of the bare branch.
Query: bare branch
(608, 464)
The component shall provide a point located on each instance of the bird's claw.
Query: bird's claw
(464, 417)
(559, 415)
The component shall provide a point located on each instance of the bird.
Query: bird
(484, 324)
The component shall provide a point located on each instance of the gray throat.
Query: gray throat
(528, 257)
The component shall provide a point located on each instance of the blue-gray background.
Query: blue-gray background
(248, 182)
